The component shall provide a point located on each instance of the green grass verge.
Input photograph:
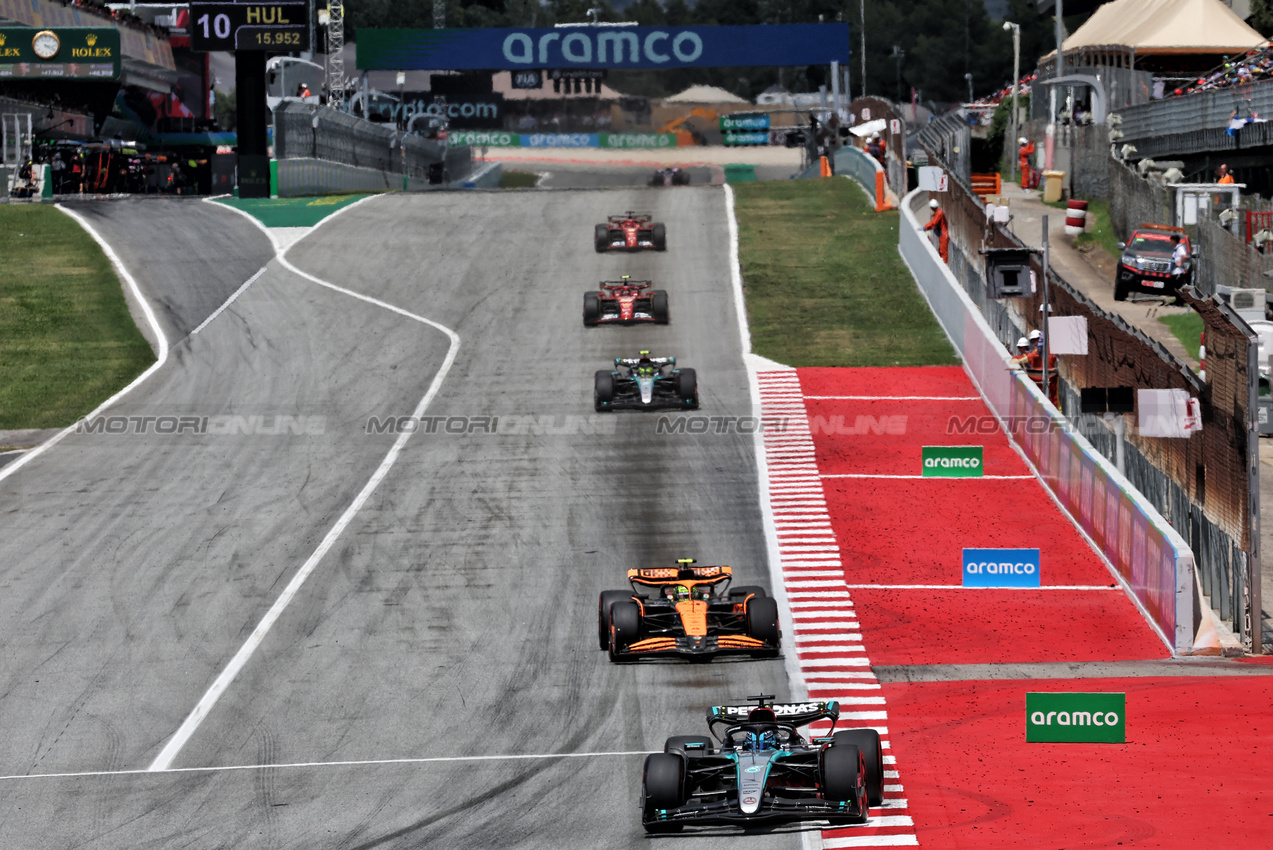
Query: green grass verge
(823, 280)
(291, 212)
(1186, 327)
(518, 180)
(67, 341)
(1102, 230)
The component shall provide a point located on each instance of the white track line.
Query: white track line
(201, 710)
(314, 764)
(894, 397)
(233, 297)
(764, 472)
(160, 360)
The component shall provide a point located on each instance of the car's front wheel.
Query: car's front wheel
(591, 308)
(687, 387)
(868, 741)
(602, 390)
(1121, 288)
(600, 238)
(625, 626)
(659, 306)
(608, 598)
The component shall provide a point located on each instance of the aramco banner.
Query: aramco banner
(591, 46)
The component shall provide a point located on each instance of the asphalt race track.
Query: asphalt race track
(436, 681)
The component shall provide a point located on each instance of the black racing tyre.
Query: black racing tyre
(658, 306)
(600, 237)
(664, 780)
(625, 625)
(841, 772)
(608, 598)
(683, 744)
(743, 591)
(602, 390)
(659, 236)
(680, 178)
(868, 742)
(687, 386)
(762, 619)
(591, 308)
(1121, 289)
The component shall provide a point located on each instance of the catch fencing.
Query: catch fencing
(1153, 560)
(948, 140)
(304, 131)
(1217, 521)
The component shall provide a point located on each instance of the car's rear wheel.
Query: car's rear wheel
(868, 742)
(743, 591)
(602, 390)
(687, 387)
(659, 237)
(691, 746)
(600, 237)
(625, 626)
(659, 306)
(762, 619)
(680, 178)
(591, 308)
(608, 598)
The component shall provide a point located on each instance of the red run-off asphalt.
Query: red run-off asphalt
(871, 559)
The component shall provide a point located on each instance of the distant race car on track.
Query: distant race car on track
(670, 177)
(762, 770)
(687, 610)
(631, 231)
(625, 300)
(645, 382)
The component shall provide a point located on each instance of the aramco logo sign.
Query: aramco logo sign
(610, 48)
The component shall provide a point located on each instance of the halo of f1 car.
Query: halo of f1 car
(687, 611)
(631, 231)
(625, 301)
(756, 767)
(645, 382)
(670, 177)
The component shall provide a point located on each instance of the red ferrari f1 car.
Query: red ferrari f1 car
(631, 231)
(625, 301)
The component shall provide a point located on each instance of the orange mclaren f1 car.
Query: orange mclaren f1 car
(687, 610)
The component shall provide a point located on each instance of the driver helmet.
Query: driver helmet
(758, 741)
(679, 592)
(645, 366)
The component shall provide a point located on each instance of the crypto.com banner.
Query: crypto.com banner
(601, 47)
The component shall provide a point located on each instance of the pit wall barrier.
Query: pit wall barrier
(299, 177)
(866, 170)
(1154, 564)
